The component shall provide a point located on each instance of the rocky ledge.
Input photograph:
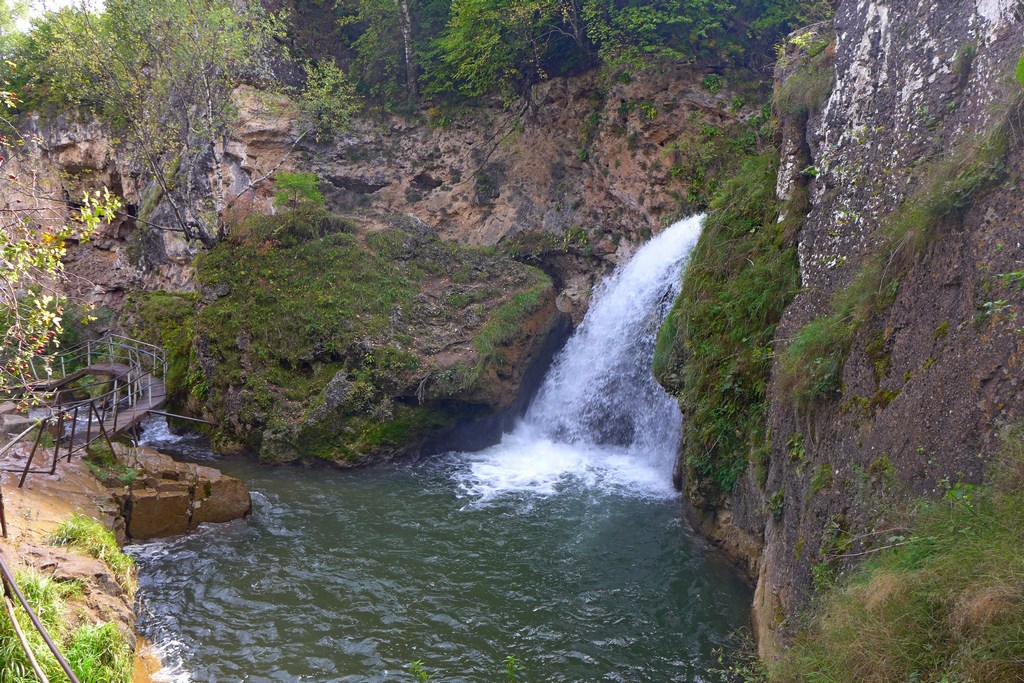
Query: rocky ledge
(138, 494)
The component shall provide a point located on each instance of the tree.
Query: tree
(503, 45)
(34, 231)
(161, 74)
(329, 99)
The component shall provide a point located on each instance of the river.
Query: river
(562, 545)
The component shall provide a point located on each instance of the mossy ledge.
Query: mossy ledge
(714, 351)
(347, 340)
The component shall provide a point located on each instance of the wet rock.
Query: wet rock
(14, 424)
(153, 514)
(172, 498)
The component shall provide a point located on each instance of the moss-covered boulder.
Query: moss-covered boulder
(349, 341)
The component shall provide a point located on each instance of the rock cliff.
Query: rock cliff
(910, 265)
(571, 185)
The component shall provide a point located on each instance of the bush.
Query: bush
(945, 603)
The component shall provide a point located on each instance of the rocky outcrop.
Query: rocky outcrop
(170, 498)
(574, 182)
(359, 345)
(933, 375)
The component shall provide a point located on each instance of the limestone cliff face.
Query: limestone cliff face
(576, 180)
(932, 378)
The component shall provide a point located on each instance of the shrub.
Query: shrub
(945, 603)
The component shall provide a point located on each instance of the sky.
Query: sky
(38, 7)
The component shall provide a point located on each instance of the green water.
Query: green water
(349, 576)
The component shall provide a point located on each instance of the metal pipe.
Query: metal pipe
(3, 513)
(74, 426)
(56, 444)
(88, 426)
(11, 587)
(31, 455)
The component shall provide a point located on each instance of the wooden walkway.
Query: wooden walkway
(127, 389)
(152, 393)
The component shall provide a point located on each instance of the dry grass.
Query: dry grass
(948, 605)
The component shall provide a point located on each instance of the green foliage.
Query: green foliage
(512, 666)
(963, 59)
(943, 603)
(161, 74)
(294, 189)
(715, 350)
(418, 672)
(105, 466)
(504, 46)
(87, 534)
(32, 249)
(704, 156)
(811, 77)
(822, 478)
(1019, 71)
(776, 503)
(811, 367)
(328, 100)
(100, 654)
(96, 653)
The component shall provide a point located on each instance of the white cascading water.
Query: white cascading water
(600, 417)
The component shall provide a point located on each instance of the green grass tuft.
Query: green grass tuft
(85, 533)
(100, 654)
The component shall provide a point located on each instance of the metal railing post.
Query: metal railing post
(12, 592)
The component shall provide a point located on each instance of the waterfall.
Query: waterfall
(600, 417)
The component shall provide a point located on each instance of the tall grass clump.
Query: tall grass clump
(810, 83)
(99, 653)
(945, 603)
(714, 351)
(96, 653)
(85, 533)
(811, 367)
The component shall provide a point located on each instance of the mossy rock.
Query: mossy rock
(353, 342)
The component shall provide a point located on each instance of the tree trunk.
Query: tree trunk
(405, 25)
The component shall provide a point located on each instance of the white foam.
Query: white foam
(173, 666)
(543, 467)
(156, 432)
(600, 419)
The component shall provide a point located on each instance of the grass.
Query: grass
(105, 466)
(715, 350)
(945, 603)
(811, 367)
(507, 321)
(97, 653)
(294, 300)
(85, 533)
(811, 76)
